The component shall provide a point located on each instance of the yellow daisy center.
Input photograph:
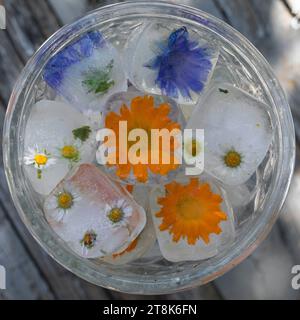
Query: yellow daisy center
(189, 209)
(65, 200)
(69, 152)
(115, 215)
(232, 159)
(193, 147)
(40, 159)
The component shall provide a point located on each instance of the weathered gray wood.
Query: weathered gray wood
(24, 280)
(69, 10)
(242, 16)
(266, 274)
(47, 21)
(10, 66)
(22, 28)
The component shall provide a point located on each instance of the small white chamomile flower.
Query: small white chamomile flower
(40, 159)
(118, 213)
(232, 158)
(70, 151)
(62, 201)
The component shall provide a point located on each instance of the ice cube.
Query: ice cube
(193, 219)
(172, 60)
(86, 72)
(146, 112)
(145, 240)
(52, 126)
(95, 216)
(240, 195)
(237, 132)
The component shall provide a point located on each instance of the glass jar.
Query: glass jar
(245, 67)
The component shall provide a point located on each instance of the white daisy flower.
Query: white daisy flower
(118, 213)
(70, 151)
(238, 132)
(39, 159)
(233, 158)
(62, 201)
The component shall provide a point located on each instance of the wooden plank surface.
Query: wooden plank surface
(263, 275)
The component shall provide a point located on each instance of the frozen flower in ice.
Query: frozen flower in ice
(98, 80)
(70, 152)
(39, 159)
(63, 201)
(145, 240)
(143, 113)
(118, 213)
(182, 65)
(78, 205)
(191, 211)
(232, 157)
(238, 133)
(193, 219)
(86, 72)
(53, 125)
(82, 48)
(88, 241)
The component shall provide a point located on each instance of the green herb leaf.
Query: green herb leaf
(82, 133)
(99, 80)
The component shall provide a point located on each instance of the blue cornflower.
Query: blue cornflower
(80, 49)
(183, 66)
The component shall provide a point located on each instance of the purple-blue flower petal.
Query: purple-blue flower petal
(96, 38)
(70, 55)
(182, 65)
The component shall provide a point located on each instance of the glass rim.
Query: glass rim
(150, 285)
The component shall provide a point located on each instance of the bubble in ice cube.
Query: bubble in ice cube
(145, 240)
(237, 130)
(86, 72)
(171, 60)
(192, 218)
(139, 111)
(56, 138)
(95, 216)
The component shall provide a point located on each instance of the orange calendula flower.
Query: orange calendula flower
(191, 211)
(143, 114)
